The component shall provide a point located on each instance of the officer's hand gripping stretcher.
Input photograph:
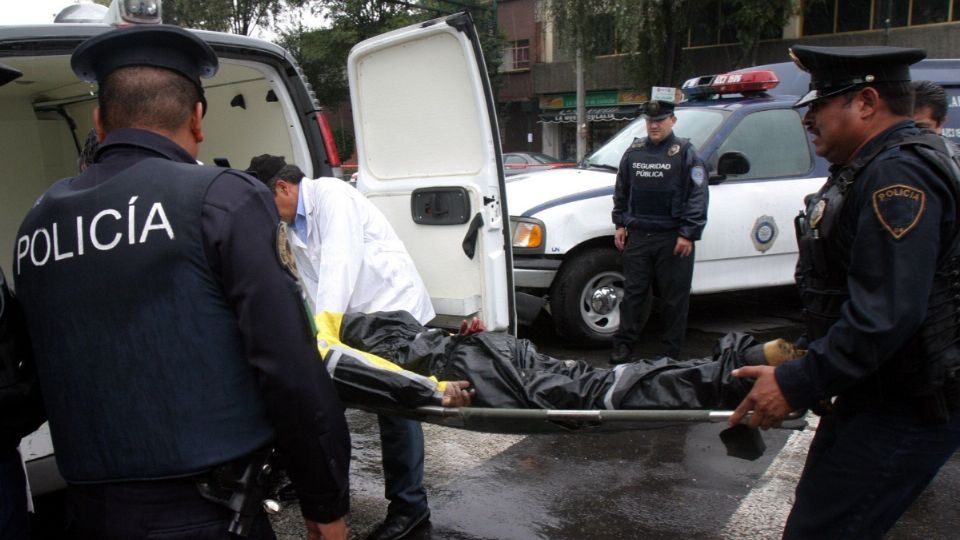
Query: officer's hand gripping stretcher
(387, 361)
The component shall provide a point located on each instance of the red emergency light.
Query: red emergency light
(745, 82)
(748, 81)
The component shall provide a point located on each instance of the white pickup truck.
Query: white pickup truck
(564, 255)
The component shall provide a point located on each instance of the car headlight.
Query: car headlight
(528, 233)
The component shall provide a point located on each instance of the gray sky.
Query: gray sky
(43, 11)
(31, 11)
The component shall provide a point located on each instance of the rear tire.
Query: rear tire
(585, 298)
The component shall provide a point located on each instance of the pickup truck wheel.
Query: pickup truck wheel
(585, 300)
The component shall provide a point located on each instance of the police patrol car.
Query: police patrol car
(449, 210)
(761, 166)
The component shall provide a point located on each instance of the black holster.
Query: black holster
(241, 485)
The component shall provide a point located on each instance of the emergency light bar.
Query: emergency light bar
(124, 12)
(746, 82)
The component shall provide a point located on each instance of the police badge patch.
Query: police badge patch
(289, 263)
(697, 175)
(817, 213)
(764, 233)
(673, 150)
(285, 252)
(899, 208)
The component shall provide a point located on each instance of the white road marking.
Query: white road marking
(763, 512)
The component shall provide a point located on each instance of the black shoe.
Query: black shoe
(621, 354)
(398, 526)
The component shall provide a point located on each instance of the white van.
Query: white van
(427, 142)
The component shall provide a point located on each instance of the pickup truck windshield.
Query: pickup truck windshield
(694, 124)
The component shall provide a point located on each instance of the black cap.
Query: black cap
(8, 74)
(159, 45)
(658, 110)
(264, 167)
(834, 70)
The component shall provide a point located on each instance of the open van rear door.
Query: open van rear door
(429, 157)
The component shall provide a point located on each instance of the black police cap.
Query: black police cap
(658, 110)
(160, 45)
(834, 70)
(8, 74)
(265, 166)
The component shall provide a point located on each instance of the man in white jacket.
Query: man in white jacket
(351, 260)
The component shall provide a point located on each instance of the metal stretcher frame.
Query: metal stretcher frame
(529, 421)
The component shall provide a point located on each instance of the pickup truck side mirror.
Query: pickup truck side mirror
(730, 163)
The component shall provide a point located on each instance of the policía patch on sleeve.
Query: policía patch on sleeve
(899, 208)
(698, 174)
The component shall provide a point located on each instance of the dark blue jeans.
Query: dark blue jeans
(14, 521)
(402, 443)
(864, 469)
(648, 259)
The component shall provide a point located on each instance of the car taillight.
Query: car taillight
(333, 157)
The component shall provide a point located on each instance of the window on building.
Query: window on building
(853, 15)
(705, 26)
(930, 11)
(606, 37)
(774, 142)
(728, 33)
(516, 56)
(711, 24)
(818, 17)
(829, 16)
(898, 12)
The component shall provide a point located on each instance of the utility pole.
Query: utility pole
(581, 109)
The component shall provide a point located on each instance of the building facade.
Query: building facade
(538, 89)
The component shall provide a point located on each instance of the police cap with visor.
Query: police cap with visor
(835, 70)
(160, 45)
(657, 110)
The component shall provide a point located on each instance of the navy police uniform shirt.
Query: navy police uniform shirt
(661, 186)
(239, 220)
(897, 218)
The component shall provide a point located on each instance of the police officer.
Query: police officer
(171, 344)
(877, 275)
(659, 210)
(929, 106)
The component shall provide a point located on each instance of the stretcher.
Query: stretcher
(740, 441)
(532, 421)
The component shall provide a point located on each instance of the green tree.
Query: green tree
(753, 20)
(236, 16)
(345, 142)
(583, 27)
(323, 52)
(652, 32)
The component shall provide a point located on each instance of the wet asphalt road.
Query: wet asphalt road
(674, 482)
